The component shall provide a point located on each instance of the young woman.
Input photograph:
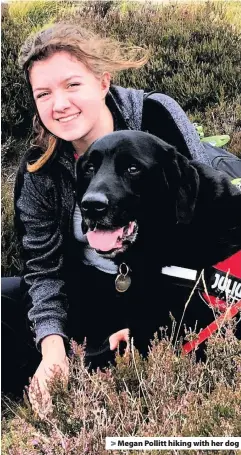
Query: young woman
(69, 73)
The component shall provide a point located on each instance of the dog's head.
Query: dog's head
(132, 184)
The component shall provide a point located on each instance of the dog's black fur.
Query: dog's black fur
(187, 213)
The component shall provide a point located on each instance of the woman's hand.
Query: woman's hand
(121, 335)
(54, 362)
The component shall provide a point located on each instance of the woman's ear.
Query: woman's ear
(105, 83)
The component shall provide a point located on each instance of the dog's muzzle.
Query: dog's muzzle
(101, 234)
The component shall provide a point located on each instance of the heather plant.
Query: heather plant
(11, 263)
(167, 394)
(195, 50)
(195, 58)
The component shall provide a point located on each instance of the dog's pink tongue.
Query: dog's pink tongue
(105, 240)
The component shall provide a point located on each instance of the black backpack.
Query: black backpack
(224, 161)
(219, 158)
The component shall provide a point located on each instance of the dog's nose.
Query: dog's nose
(94, 204)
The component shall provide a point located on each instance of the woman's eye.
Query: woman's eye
(41, 95)
(133, 169)
(74, 84)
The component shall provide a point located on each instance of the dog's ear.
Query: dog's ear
(188, 190)
(183, 182)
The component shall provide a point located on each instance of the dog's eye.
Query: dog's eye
(133, 169)
(89, 169)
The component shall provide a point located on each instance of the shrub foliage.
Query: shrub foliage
(164, 395)
(195, 50)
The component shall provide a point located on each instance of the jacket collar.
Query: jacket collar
(126, 104)
(66, 156)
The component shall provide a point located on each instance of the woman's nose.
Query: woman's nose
(61, 102)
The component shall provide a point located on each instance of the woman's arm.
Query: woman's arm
(42, 240)
(39, 226)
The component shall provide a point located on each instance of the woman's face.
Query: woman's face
(70, 99)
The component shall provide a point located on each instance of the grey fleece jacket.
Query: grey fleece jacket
(45, 200)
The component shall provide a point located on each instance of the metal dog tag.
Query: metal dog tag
(123, 280)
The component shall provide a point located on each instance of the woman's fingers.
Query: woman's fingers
(115, 338)
(39, 395)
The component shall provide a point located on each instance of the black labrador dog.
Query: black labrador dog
(145, 206)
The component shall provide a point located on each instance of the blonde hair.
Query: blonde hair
(97, 53)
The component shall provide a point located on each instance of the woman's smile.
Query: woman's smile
(69, 118)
